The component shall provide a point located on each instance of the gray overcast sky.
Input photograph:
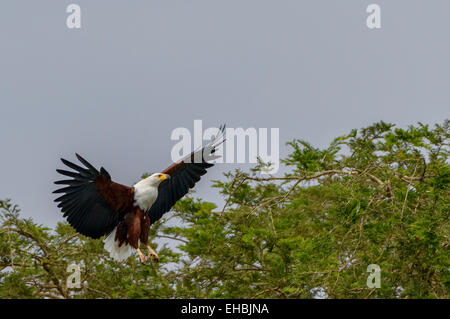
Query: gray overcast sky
(114, 90)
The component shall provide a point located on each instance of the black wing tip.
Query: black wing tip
(64, 172)
(221, 133)
(89, 166)
(104, 172)
(81, 159)
(64, 160)
(67, 162)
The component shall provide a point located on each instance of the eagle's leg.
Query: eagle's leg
(145, 230)
(141, 256)
(152, 254)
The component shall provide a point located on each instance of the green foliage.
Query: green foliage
(379, 195)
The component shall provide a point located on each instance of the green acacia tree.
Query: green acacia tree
(379, 195)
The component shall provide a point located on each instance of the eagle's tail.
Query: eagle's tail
(112, 246)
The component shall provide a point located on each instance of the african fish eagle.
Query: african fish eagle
(95, 206)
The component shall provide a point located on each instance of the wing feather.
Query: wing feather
(92, 203)
(184, 174)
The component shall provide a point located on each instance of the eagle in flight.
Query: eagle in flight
(95, 206)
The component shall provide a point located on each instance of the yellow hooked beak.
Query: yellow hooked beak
(164, 177)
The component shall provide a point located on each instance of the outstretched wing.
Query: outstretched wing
(92, 202)
(184, 174)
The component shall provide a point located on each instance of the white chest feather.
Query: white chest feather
(145, 195)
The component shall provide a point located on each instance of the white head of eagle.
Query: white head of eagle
(96, 206)
(146, 191)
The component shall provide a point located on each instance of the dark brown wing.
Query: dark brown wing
(184, 174)
(92, 202)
